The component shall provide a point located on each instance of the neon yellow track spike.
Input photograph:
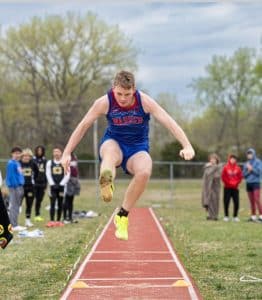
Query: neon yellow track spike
(121, 224)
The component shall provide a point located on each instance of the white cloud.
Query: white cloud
(148, 19)
(218, 11)
(190, 42)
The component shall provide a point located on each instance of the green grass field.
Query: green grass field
(216, 254)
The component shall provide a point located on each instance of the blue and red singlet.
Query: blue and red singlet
(129, 127)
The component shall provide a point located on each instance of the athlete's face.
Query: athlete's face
(124, 97)
(57, 154)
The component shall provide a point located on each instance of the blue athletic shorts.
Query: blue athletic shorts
(127, 150)
(253, 186)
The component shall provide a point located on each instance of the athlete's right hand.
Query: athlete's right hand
(65, 161)
(187, 152)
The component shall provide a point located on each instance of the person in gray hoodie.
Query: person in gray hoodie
(252, 173)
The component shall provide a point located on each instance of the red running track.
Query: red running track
(144, 267)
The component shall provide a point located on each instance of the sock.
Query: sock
(122, 212)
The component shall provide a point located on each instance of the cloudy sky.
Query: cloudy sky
(176, 39)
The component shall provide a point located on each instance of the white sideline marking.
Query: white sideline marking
(80, 270)
(176, 260)
(132, 260)
(129, 278)
(92, 251)
(249, 278)
(157, 252)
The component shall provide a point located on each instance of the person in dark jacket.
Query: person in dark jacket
(211, 187)
(30, 171)
(252, 173)
(15, 181)
(40, 180)
(72, 189)
(231, 177)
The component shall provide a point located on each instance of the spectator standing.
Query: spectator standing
(231, 177)
(72, 189)
(30, 171)
(211, 187)
(252, 174)
(57, 180)
(15, 181)
(40, 180)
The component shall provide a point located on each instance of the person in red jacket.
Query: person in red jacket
(231, 177)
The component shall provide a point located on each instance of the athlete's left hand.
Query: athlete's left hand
(65, 161)
(187, 153)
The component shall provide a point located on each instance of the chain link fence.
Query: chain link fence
(165, 171)
(165, 175)
(161, 170)
(88, 169)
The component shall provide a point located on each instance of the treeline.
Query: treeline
(226, 115)
(52, 68)
(230, 98)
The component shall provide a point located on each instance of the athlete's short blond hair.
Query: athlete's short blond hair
(124, 79)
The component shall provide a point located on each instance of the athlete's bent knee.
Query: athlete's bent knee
(143, 174)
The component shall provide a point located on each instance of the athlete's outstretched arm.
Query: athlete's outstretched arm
(99, 108)
(152, 107)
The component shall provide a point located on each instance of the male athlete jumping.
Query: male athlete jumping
(125, 141)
